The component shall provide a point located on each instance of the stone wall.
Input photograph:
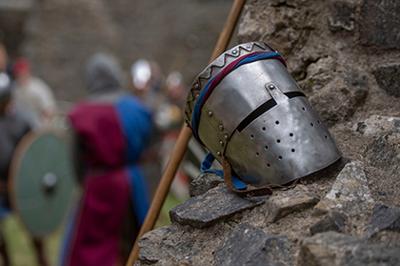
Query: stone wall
(346, 57)
(60, 35)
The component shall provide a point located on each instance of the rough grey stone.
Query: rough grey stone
(249, 246)
(319, 73)
(215, 205)
(277, 22)
(149, 251)
(339, 99)
(384, 152)
(373, 255)
(325, 249)
(383, 218)
(202, 183)
(377, 125)
(336, 249)
(387, 77)
(334, 221)
(379, 23)
(282, 203)
(349, 193)
(342, 16)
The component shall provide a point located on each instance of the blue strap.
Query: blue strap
(205, 168)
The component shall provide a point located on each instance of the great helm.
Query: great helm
(247, 110)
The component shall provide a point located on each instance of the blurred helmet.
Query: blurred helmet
(174, 85)
(5, 87)
(103, 74)
(248, 111)
(174, 79)
(141, 74)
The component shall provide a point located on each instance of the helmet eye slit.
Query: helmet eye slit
(256, 113)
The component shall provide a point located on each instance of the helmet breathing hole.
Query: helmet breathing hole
(280, 157)
(303, 108)
(257, 154)
(266, 147)
(278, 140)
(268, 165)
(311, 124)
(263, 128)
(252, 136)
(291, 134)
(277, 122)
(326, 136)
(318, 122)
(293, 150)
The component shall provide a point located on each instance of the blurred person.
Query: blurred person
(3, 59)
(111, 131)
(147, 82)
(12, 129)
(34, 100)
(176, 89)
(169, 119)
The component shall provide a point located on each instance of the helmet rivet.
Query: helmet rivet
(221, 142)
(271, 87)
(218, 153)
(234, 51)
(226, 136)
(196, 86)
(210, 113)
(221, 127)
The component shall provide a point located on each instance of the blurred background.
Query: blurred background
(57, 38)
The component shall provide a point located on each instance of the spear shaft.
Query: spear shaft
(183, 139)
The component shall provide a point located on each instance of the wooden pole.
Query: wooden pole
(183, 139)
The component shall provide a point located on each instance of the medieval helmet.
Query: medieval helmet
(248, 111)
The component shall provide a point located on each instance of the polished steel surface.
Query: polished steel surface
(276, 146)
(285, 143)
(246, 83)
(215, 67)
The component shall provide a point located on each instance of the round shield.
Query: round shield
(41, 182)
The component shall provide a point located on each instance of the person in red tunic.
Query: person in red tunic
(112, 129)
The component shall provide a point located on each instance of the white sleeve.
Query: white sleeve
(45, 96)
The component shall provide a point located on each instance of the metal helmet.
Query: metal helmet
(248, 111)
(141, 74)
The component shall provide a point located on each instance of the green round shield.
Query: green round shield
(42, 182)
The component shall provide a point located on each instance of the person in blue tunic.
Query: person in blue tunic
(112, 129)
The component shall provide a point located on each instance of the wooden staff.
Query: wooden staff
(183, 139)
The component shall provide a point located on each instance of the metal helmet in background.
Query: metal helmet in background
(141, 74)
(147, 80)
(249, 112)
